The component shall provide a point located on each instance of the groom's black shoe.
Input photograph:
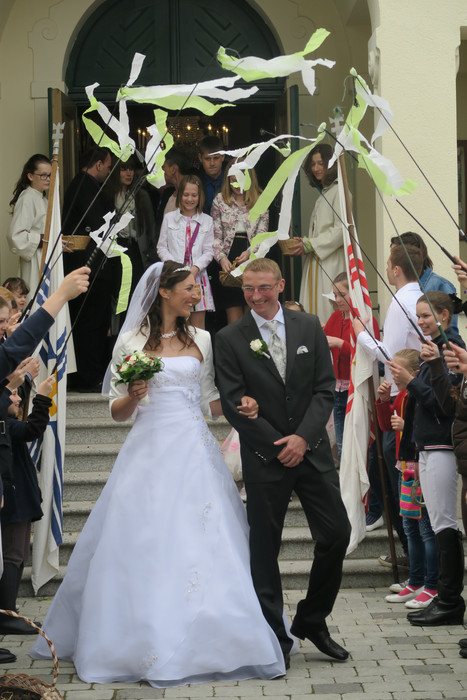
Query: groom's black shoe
(322, 641)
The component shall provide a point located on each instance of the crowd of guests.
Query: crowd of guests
(200, 222)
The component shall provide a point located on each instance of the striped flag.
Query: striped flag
(48, 451)
(353, 467)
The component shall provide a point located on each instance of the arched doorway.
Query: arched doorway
(180, 39)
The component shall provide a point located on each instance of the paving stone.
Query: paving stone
(138, 693)
(408, 640)
(94, 694)
(390, 660)
(338, 687)
(431, 669)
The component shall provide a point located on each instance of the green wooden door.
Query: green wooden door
(180, 39)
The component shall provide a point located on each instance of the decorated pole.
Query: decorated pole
(381, 467)
(57, 136)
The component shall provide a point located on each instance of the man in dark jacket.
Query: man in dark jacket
(84, 208)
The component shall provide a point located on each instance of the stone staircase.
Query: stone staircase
(93, 442)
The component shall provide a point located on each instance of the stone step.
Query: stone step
(83, 486)
(86, 405)
(90, 457)
(297, 544)
(76, 511)
(357, 573)
(104, 430)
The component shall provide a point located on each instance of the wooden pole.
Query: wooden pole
(378, 440)
(50, 204)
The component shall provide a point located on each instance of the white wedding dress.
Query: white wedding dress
(158, 587)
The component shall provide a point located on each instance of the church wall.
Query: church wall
(412, 63)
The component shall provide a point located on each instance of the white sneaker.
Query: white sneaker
(408, 593)
(374, 526)
(398, 587)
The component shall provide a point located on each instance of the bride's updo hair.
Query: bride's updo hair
(172, 273)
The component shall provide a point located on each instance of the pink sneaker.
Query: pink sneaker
(423, 600)
(407, 593)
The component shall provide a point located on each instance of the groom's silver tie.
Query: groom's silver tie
(277, 348)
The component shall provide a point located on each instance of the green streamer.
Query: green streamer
(144, 95)
(125, 285)
(100, 137)
(274, 67)
(279, 178)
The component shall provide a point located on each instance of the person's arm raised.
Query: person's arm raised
(74, 284)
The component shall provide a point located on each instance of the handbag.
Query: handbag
(20, 686)
(410, 495)
(230, 449)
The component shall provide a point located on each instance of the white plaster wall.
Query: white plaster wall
(34, 46)
(37, 38)
(416, 43)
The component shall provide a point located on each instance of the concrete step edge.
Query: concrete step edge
(85, 477)
(101, 448)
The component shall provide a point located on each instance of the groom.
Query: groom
(286, 448)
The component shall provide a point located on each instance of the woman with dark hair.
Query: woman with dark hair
(159, 587)
(138, 237)
(323, 247)
(26, 229)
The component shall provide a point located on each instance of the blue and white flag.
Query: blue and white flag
(48, 451)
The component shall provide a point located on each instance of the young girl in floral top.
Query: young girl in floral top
(233, 232)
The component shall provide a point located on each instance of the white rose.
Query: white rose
(147, 360)
(256, 345)
(124, 367)
(132, 359)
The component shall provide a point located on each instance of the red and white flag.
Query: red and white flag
(353, 467)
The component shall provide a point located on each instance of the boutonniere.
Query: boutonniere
(259, 348)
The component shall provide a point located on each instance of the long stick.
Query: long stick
(50, 204)
(381, 466)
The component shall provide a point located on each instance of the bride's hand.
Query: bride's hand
(138, 389)
(249, 407)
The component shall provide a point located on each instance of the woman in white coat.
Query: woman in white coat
(26, 230)
(323, 248)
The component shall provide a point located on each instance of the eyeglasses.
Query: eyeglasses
(43, 176)
(264, 289)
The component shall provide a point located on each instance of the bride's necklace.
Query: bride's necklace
(169, 335)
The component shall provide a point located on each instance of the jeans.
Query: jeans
(423, 556)
(340, 405)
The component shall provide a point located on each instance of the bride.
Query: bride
(158, 588)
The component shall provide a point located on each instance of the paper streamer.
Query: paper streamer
(126, 145)
(289, 168)
(251, 155)
(125, 286)
(112, 249)
(253, 68)
(154, 155)
(383, 172)
(189, 96)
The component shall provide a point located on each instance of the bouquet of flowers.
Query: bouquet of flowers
(138, 365)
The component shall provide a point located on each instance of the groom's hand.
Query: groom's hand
(293, 451)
